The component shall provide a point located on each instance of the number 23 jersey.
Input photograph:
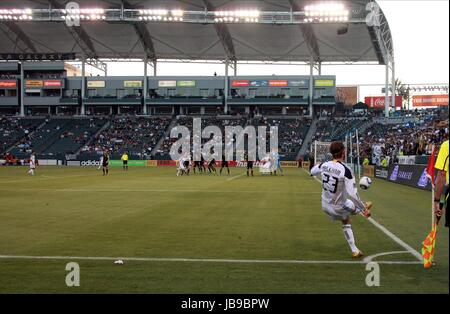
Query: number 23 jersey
(338, 185)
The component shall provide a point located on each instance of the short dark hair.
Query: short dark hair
(337, 149)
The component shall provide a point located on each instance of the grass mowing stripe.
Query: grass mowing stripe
(154, 190)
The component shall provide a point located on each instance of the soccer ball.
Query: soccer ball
(365, 182)
(119, 262)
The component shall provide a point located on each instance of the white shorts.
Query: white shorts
(336, 212)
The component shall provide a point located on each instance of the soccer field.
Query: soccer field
(205, 234)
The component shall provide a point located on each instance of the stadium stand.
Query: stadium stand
(149, 137)
(136, 135)
(409, 138)
(57, 136)
(335, 129)
(14, 129)
(79, 133)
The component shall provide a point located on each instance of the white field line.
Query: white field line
(371, 257)
(152, 190)
(46, 177)
(235, 177)
(396, 239)
(197, 260)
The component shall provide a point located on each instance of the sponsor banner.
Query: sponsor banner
(53, 83)
(32, 91)
(186, 83)
(240, 83)
(89, 163)
(73, 163)
(278, 83)
(259, 83)
(347, 95)
(152, 163)
(430, 100)
(369, 171)
(289, 164)
(381, 172)
(243, 164)
(131, 84)
(411, 175)
(131, 163)
(167, 163)
(47, 162)
(305, 165)
(96, 84)
(377, 102)
(406, 160)
(324, 83)
(167, 83)
(299, 83)
(8, 84)
(34, 83)
(37, 56)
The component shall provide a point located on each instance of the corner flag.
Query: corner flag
(429, 243)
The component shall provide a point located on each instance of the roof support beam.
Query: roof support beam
(79, 34)
(146, 40)
(143, 34)
(224, 35)
(308, 34)
(22, 36)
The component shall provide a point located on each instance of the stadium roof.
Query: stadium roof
(280, 34)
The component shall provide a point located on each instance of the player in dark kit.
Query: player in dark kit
(202, 164)
(197, 165)
(187, 166)
(105, 163)
(211, 166)
(224, 164)
(249, 165)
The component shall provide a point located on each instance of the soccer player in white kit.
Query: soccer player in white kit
(340, 197)
(32, 164)
(182, 165)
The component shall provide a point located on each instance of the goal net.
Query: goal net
(321, 152)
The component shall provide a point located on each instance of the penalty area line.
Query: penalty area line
(199, 260)
(393, 237)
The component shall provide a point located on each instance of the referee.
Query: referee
(442, 182)
(124, 159)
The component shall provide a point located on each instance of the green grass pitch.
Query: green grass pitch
(151, 213)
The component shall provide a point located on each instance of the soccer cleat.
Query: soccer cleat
(357, 254)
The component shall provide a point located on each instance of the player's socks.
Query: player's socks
(348, 233)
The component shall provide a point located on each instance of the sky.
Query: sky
(420, 31)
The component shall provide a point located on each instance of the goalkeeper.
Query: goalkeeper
(340, 197)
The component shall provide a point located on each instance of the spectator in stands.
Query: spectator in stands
(384, 162)
(366, 161)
